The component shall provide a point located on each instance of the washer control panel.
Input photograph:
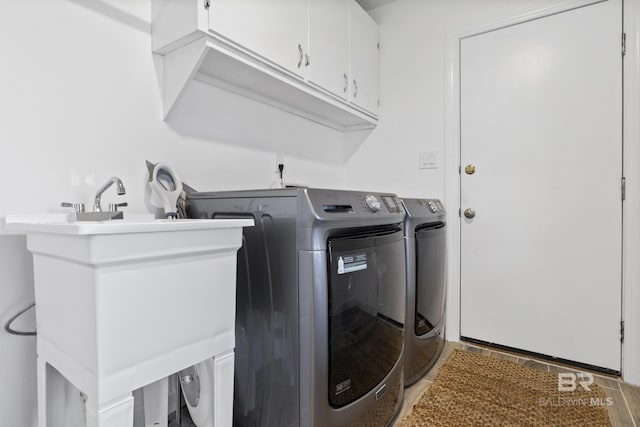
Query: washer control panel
(392, 203)
(345, 204)
(372, 202)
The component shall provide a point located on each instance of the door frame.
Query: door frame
(630, 303)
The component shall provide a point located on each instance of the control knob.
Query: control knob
(372, 202)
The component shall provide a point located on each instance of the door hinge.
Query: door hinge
(622, 331)
(459, 212)
(459, 170)
(623, 43)
(623, 188)
(207, 3)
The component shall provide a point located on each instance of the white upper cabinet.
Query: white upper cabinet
(329, 45)
(275, 29)
(364, 74)
(317, 59)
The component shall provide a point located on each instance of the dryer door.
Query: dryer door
(430, 276)
(366, 311)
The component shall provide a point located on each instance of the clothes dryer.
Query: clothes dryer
(320, 305)
(425, 244)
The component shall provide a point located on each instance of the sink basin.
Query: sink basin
(132, 223)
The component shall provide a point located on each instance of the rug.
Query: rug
(476, 390)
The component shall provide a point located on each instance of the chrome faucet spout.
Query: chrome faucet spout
(119, 189)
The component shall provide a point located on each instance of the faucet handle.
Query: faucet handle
(77, 207)
(113, 207)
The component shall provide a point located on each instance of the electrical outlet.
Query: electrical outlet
(279, 182)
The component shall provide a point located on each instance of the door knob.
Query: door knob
(469, 213)
(469, 169)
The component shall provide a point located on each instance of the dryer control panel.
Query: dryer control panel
(433, 205)
(426, 210)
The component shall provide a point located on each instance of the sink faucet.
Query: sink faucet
(119, 189)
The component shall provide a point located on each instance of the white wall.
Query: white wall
(80, 102)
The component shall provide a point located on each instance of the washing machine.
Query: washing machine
(425, 243)
(320, 306)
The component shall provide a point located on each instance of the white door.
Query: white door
(274, 29)
(541, 123)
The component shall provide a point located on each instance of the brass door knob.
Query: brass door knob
(469, 169)
(469, 213)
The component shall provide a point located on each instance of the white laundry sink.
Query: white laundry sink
(123, 303)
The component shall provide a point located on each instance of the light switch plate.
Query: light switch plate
(429, 159)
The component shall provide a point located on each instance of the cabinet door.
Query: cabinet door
(273, 29)
(329, 46)
(364, 59)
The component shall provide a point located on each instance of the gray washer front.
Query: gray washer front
(320, 270)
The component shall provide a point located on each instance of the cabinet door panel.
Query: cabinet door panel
(328, 45)
(364, 59)
(272, 29)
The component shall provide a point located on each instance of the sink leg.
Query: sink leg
(223, 390)
(42, 391)
(116, 413)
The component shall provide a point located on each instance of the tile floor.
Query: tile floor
(625, 411)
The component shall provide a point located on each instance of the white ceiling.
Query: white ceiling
(372, 4)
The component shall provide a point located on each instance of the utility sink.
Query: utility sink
(122, 304)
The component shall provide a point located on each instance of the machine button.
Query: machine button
(432, 207)
(372, 202)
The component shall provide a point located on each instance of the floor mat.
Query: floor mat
(476, 390)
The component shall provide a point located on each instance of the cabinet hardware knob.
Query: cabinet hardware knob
(355, 88)
(346, 83)
(300, 55)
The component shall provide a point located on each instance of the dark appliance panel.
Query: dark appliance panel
(366, 312)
